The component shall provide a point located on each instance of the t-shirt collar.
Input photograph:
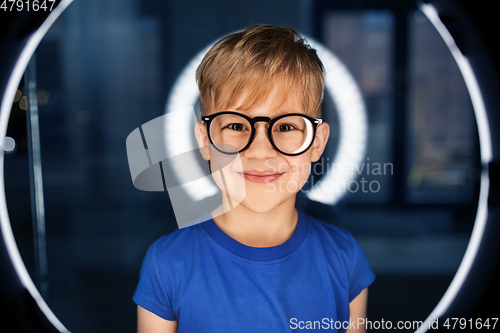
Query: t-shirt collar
(259, 253)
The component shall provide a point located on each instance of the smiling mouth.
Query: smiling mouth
(255, 176)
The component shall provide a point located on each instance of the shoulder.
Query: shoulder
(177, 242)
(331, 235)
(178, 239)
(338, 246)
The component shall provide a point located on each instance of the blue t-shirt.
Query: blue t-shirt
(210, 282)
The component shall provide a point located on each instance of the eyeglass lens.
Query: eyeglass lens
(291, 135)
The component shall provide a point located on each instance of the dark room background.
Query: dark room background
(108, 66)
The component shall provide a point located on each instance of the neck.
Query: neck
(259, 229)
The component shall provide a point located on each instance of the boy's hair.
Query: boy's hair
(254, 62)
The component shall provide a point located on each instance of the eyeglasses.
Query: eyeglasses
(290, 134)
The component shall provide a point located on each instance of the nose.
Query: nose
(261, 147)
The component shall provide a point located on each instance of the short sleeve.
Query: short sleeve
(360, 275)
(151, 292)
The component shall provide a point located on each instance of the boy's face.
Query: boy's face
(271, 178)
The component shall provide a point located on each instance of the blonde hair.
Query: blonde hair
(255, 62)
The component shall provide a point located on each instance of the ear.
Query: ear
(200, 131)
(319, 144)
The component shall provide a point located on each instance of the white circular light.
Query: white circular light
(486, 155)
(8, 96)
(348, 99)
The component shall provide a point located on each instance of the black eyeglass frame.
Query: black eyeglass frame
(270, 121)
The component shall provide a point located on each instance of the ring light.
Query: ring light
(486, 155)
(185, 93)
(8, 97)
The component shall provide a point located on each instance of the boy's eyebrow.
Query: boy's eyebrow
(272, 115)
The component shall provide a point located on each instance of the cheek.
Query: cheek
(230, 182)
(299, 173)
(300, 168)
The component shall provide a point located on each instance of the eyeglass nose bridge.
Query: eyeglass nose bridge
(260, 119)
(255, 120)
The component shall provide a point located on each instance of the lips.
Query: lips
(256, 176)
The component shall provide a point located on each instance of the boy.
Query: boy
(262, 266)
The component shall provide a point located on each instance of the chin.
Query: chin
(263, 204)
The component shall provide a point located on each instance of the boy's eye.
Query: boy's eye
(236, 127)
(285, 128)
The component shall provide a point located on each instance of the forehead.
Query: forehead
(272, 102)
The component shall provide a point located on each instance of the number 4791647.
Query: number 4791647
(469, 324)
(27, 5)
